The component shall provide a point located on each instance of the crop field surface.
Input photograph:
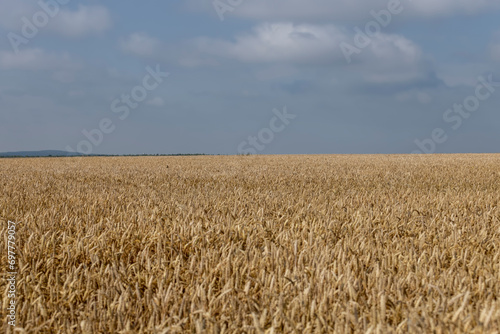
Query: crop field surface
(253, 244)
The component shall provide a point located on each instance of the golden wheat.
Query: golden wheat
(258, 244)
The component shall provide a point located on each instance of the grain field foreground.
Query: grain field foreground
(254, 244)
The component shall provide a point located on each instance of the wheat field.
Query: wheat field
(254, 244)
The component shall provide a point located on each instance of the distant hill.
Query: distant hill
(46, 153)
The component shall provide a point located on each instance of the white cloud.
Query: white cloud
(36, 59)
(156, 102)
(286, 43)
(344, 9)
(85, 20)
(279, 42)
(388, 58)
(141, 44)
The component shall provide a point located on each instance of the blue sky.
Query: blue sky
(259, 76)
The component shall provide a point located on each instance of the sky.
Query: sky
(250, 76)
